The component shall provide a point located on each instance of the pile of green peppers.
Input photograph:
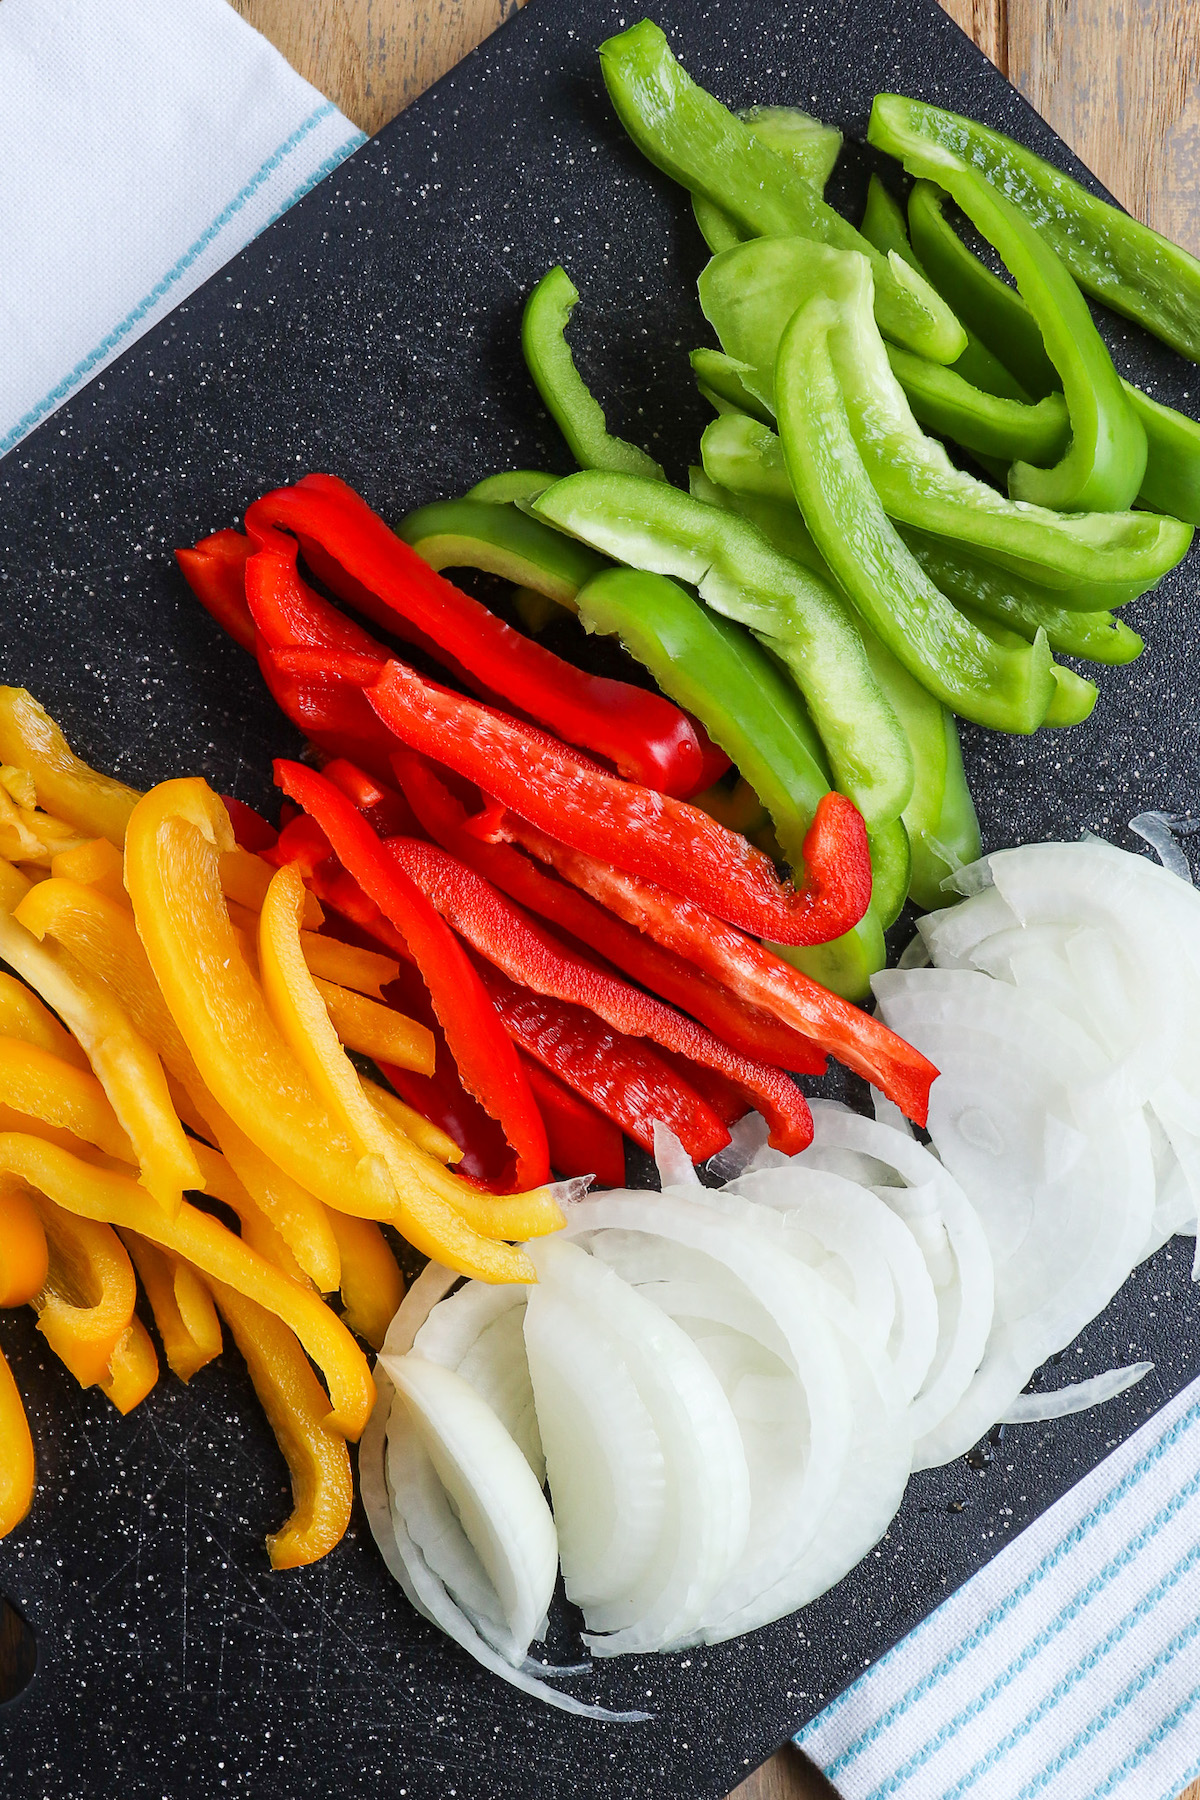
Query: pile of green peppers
(836, 587)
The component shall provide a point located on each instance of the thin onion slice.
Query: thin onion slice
(1059, 1403)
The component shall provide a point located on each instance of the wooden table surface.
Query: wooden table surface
(1120, 82)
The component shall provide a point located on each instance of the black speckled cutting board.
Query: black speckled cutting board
(373, 331)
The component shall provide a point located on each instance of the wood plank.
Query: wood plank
(985, 22)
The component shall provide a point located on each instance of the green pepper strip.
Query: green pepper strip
(795, 614)
(883, 225)
(749, 293)
(1103, 466)
(810, 146)
(690, 136)
(1113, 257)
(509, 485)
(1171, 483)
(569, 401)
(501, 539)
(718, 671)
(943, 401)
(992, 684)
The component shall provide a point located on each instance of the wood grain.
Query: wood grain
(1120, 82)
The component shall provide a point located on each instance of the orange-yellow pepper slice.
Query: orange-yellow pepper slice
(22, 1015)
(123, 1061)
(132, 1368)
(223, 1183)
(17, 1471)
(362, 971)
(102, 937)
(96, 863)
(86, 1306)
(317, 1458)
(95, 1194)
(375, 1030)
(94, 804)
(424, 1212)
(17, 841)
(372, 1285)
(24, 1257)
(18, 785)
(182, 1305)
(43, 1087)
(422, 1131)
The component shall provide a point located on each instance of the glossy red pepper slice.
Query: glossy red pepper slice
(215, 570)
(530, 954)
(582, 1140)
(642, 734)
(646, 833)
(481, 1047)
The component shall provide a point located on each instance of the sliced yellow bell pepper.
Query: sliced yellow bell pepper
(17, 1471)
(362, 971)
(24, 1258)
(245, 877)
(317, 1458)
(17, 842)
(132, 1368)
(95, 1194)
(22, 1015)
(18, 785)
(94, 804)
(43, 1087)
(425, 1216)
(103, 938)
(86, 1306)
(123, 1061)
(223, 1183)
(372, 1285)
(182, 1305)
(422, 1131)
(96, 863)
(375, 1030)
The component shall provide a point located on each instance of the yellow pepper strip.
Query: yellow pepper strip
(94, 804)
(362, 971)
(372, 1285)
(132, 1368)
(124, 1062)
(18, 784)
(182, 1305)
(103, 938)
(96, 863)
(51, 837)
(17, 1471)
(422, 1131)
(86, 1306)
(245, 877)
(90, 1193)
(23, 1016)
(222, 1182)
(375, 1030)
(24, 1258)
(17, 842)
(317, 1458)
(43, 1087)
(425, 1217)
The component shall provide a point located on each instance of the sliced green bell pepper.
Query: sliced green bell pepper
(795, 614)
(748, 294)
(498, 537)
(810, 146)
(944, 401)
(1102, 468)
(1113, 257)
(568, 399)
(690, 136)
(955, 840)
(510, 485)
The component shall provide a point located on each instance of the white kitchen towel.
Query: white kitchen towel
(142, 144)
(1069, 1667)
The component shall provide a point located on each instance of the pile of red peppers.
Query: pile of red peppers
(582, 941)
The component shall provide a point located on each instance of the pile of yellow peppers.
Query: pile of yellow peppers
(175, 1023)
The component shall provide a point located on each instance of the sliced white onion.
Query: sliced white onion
(432, 1284)
(675, 1167)
(1154, 828)
(1059, 1403)
(747, 1141)
(479, 1332)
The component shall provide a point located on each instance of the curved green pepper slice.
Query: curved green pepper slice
(568, 399)
(690, 136)
(1103, 466)
(510, 485)
(498, 537)
(809, 145)
(944, 401)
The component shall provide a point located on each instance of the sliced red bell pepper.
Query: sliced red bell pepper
(637, 956)
(531, 954)
(642, 734)
(386, 810)
(215, 570)
(480, 1046)
(646, 833)
(582, 1140)
(618, 1075)
(762, 979)
(249, 827)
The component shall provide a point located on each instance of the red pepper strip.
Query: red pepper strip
(644, 735)
(663, 840)
(249, 827)
(484, 1055)
(386, 811)
(620, 1076)
(527, 952)
(582, 1140)
(214, 569)
(761, 979)
(637, 956)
